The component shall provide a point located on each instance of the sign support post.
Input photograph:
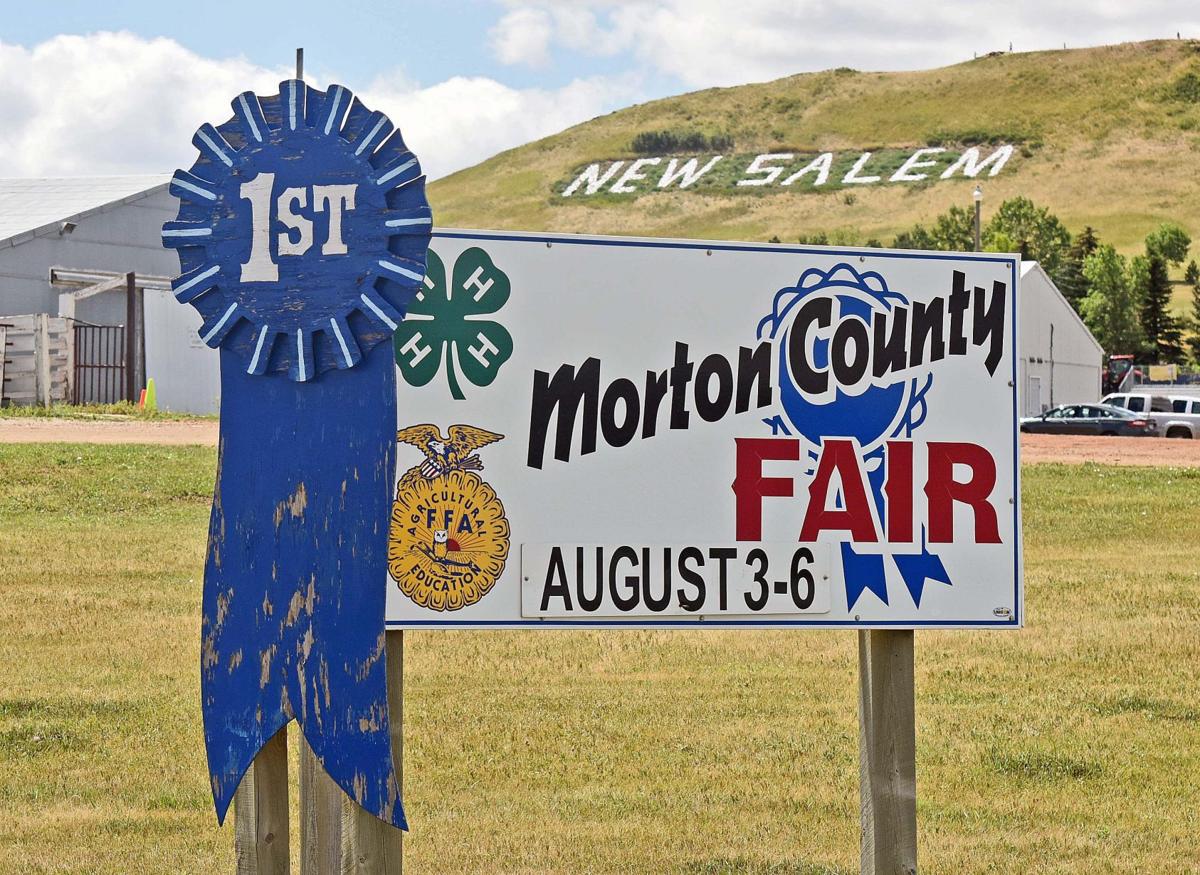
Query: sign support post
(260, 837)
(320, 817)
(372, 847)
(887, 742)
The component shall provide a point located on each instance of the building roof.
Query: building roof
(1035, 269)
(30, 206)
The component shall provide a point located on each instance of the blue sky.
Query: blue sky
(467, 78)
(429, 41)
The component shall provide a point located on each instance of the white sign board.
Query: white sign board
(606, 432)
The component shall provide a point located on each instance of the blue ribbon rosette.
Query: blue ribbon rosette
(874, 416)
(302, 234)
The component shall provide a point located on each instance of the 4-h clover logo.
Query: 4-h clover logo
(443, 324)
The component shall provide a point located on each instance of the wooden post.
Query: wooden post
(372, 847)
(887, 752)
(69, 340)
(3, 354)
(260, 837)
(131, 387)
(139, 340)
(43, 387)
(320, 817)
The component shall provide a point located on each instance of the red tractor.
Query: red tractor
(1118, 375)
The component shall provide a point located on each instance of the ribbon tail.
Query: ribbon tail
(915, 569)
(863, 571)
(295, 579)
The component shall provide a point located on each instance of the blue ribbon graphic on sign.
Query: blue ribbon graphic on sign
(870, 418)
(302, 234)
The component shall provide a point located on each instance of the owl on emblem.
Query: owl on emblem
(441, 544)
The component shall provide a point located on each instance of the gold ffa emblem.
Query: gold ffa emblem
(448, 538)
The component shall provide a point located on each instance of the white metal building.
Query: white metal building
(109, 223)
(1059, 361)
(113, 224)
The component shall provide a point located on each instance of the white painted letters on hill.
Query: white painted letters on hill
(771, 169)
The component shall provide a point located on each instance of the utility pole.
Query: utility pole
(978, 195)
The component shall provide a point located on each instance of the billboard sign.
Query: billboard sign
(609, 432)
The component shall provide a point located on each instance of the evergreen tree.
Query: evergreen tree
(1167, 244)
(1154, 290)
(1192, 277)
(1110, 308)
(1072, 282)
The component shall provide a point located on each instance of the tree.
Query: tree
(1071, 281)
(1020, 225)
(952, 231)
(916, 237)
(1110, 308)
(1160, 329)
(1169, 242)
(1192, 277)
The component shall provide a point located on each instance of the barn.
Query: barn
(1059, 362)
(81, 259)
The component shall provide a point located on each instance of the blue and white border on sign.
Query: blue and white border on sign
(1015, 618)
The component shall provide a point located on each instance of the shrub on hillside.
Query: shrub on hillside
(981, 137)
(1186, 88)
(663, 142)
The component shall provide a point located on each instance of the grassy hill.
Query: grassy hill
(1105, 136)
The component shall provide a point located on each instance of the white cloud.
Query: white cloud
(523, 37)
(457, 123)
(717, 42)
(111, 103)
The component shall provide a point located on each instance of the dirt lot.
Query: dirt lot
(36, 431)
(1109, 450)
(1034, 448)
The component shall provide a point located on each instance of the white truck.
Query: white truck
(1178, 416)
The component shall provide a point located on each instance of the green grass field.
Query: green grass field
(1071, 746)
(119, 411)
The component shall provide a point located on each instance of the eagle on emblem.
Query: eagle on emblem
(446, 454)
(448, 534)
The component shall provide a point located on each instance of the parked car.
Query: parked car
(1099, 419)
(1178, 415)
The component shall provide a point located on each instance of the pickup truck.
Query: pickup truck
(1178, 416)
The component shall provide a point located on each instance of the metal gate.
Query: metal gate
(99, 364)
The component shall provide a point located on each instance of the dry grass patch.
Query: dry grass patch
(1065, 747)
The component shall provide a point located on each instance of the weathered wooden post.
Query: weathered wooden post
(887, 742)
(302, 235)
(131, 338)
(42, 375)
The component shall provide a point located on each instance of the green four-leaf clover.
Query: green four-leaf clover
(443, 324)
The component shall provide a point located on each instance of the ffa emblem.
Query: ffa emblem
(448, 538)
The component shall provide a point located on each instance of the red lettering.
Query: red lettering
(750, 486)
(855, 515)
(943, 490)
(898, 488)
